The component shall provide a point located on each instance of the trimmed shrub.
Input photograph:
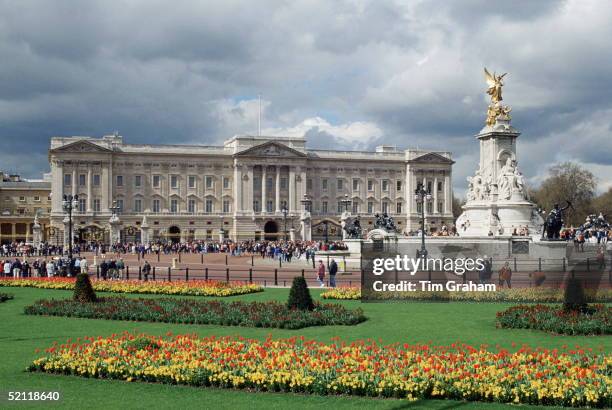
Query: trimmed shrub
(5, 296)
(299, 295)
(574, 299)
(83, 291)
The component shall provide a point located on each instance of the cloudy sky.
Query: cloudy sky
(347, 74)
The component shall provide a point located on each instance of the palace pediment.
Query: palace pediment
(81, 146)
(431, 158)
(271, 149)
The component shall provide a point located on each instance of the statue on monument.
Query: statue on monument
(507, 179)
(353, 228)
(554, 222)
(496, 109)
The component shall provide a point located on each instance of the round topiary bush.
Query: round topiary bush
(299, 295)
(83, 290)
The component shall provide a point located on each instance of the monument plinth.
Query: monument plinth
(497, 200)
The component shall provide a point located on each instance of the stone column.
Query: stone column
(291, 189)
(105, 188)
(277, 190)
(57, 189)
(238, 204)
(304, 184)
(424, 205)
(74, 179)
(448, 196)
(264, 177)
(435, 195)
(248, 193)
(89, 188)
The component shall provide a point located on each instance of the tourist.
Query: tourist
(146, 269)
(321, 273)
(103, 269)
(16, 268)
(120, 267)
(7, 268)
(84, 266)
(538, 278)
(505, 274)
(50, 268)
(333, 270)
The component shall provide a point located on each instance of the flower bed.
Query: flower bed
(4, 297)
(365, 368)
(535, 295)
(555, 319)
(172, 310)
(190, 288)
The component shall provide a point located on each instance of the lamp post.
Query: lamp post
(422, 196)
(68, 204)
(285, 211)
(326, 224)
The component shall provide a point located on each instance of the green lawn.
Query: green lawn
(440, 323)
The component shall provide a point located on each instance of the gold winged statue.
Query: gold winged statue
(495, 84)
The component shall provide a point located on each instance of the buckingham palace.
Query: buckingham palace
(251, 187)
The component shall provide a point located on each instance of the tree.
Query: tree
(568, 181)
(457, 204)
(603, 204)
(83, 290)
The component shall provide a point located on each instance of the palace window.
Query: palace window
(137, 205)
(398, 185)
(355, 184)
(209, 206)
(256, 207)
(370, 185)
(191, 206)
(283, 183)
(137, 181)
(429, 186)
(269, 183)
(370, 207)
(36, 198)
(440, 207)
(174, 206)
(385, 185)
(191, 182)
(96, 180)
(284, 205)
(429, 208)
(156, 205)
(226, 206)
(81, 179)
(309, 184)
(82, 205)
(324, 184)
(269, 206)
(209, 182)
(96, 205)
(209, 234)
(22, 199)
(419, 207)
(355, 207)
(120, 205)
(226, 183)
(340, 184)
(340, 207)
(324, 207)
(174, 181)
(439, 186)
(67, 179)
(398, 208)
(385, 207)
(156, 182)
(119, 180)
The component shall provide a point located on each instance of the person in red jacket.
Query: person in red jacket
(321, 273)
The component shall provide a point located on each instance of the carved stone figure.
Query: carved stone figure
(384, 222)
(554, 222)
(507, 179)
(353, 229)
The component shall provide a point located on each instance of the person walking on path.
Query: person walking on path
(505, 275)
(333, 270)
(321, 273)
(84, 266)
(146, 269)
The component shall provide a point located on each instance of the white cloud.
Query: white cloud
(358, 132)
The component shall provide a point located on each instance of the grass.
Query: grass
(440, 323)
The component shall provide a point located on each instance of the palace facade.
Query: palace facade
(248, 188)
